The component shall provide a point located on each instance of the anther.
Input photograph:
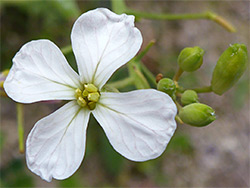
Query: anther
(92, 105)
(90, 88)
(81, 101)
(94, 97)
(85, 93)
(78, 93)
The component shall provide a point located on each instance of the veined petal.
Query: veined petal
(56, 145)
(40, 72)
(138, 124)
(103, 41)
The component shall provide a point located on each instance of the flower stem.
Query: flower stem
(157, 16)
(148, 74)
(144, 69)
(221, 21)
(179, 107)
(177, 75)
(122, 83)
(19, 108)
(205, 15)
(205, 89)
(142, 80)
(178, 119)
(135, 73)
(141, 54)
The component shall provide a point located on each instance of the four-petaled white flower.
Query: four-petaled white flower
(138, 124)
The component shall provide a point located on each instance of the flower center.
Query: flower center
(88, 97)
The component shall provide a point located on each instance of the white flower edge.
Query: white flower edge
(103, 41)
(139, 129)
(40, 72)
(55, 146)
(138, 124)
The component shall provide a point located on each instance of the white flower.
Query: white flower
(138, 124)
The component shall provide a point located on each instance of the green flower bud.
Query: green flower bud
(197, 114)
(167, 86)
(188, 97)
(229, 68)
(190, 59)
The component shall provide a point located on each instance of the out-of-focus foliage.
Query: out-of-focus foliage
(181, 143)
(1, 141)
(15, 175)
(22, 21)
(242, 95)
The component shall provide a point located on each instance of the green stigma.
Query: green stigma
(88, 97)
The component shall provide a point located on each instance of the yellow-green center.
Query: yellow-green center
(88, 97)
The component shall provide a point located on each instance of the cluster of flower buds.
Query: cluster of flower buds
(229, 68)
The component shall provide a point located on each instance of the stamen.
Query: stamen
(85, 93)
(88, 97)
(94, 97)
(92, 105)
(81, 102)
(90, 88)
(78, 93)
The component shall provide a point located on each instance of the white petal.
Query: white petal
(56, 145)
(40, 72)
(103, 41)
(138, 124)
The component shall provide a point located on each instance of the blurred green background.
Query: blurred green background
(213, 156)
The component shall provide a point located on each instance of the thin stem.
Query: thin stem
(205, 15)
(179, 107)
(122, 83)
(144, 69)
(221, 21)
(178, 119)
(144, 83)
(20, 126)
(135, 73)
(158, 16)
(144, 51)
(205, 89)
(179, 88)
(148, 74)
(177, 75)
